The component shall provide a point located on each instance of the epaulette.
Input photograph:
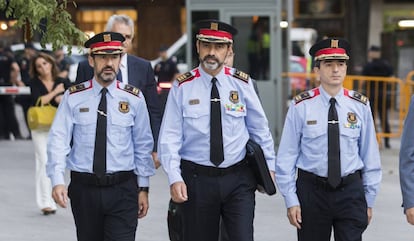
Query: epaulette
(301, 97)
(241, 75)
(77, 88)
(185, 77)
(131, 89)
(359, 97)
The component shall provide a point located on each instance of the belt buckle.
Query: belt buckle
(102, 181)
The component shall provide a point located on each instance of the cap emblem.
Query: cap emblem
(214, 26)
(107, 37)
(334, 43)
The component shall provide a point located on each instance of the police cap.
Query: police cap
(106, 43)
(214, 31)
(331, 48)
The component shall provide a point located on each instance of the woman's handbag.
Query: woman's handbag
(40, 117)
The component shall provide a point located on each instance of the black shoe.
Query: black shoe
(387, 145)
(48, 211)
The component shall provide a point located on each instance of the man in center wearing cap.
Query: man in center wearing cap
(329, 142)
(102, 134)
(210, 114)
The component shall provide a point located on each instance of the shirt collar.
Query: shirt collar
(207, 77)
(123, 63)
(97, 87)
(326, 97)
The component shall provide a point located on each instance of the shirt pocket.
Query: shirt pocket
(196, 118)
(85, 127)
(120, 131)
(234, 120)
(315, 140)
(350, 137)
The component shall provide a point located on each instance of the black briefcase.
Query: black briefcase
(257, 162)
(175, 222)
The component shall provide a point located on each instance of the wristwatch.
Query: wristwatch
(143, 189)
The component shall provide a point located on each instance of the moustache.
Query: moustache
(108, 68)
(207, 57)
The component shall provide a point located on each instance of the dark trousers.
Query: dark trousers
(382, 109)
(8, 120)
(105, 213)
(230, 196)
(343, 209)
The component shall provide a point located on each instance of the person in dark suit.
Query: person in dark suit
(134, 70)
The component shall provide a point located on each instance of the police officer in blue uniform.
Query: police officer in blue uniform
(207, 179)
(329, 142)
(102, 134)
(406, 166)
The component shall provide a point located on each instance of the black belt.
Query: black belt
(210, 170)
(106, 180)
(323, 181)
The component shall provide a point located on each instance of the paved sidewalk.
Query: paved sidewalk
(20, 219)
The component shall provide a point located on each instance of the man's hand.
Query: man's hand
(409, 213)
(369, 213)
(295, 216)
(143, 204)
(272, 175)
(60, 195)
(178, 191)
(157, 162)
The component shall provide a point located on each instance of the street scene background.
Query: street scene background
(20, 219)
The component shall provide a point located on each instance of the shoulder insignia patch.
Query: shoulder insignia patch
(184, 77)
(77, 88)
(131, 89)
(302, 96)
(241, 75)
(359, 97)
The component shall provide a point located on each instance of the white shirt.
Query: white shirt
(123, 67)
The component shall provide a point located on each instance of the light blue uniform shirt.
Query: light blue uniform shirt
(129, 138)
(185, 129)
(304, 142)
(406, 166)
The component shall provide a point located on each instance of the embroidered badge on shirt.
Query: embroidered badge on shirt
(85, 109)
(194, 102)
(234, 96)
(235, 107)
(352, 121)
(311, 122)
(123, 107)
(352, 118)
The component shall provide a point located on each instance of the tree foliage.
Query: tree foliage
(47, 17)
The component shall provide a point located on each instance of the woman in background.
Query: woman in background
(46, 85)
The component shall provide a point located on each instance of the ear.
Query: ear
(198, 46)
(91, 60)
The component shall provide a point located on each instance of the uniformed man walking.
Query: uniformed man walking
(109, 126)
(329, 140)
(211, 113)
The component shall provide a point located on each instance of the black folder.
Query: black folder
(257, 161)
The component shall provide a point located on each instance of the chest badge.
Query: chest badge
(352, 118)
(123, 106)
(234, 96)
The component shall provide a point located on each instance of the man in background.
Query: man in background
(379, 92)
(165, 71)
(134, 70)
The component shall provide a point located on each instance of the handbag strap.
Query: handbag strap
(38, 102)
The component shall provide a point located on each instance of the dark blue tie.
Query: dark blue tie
(334, 158)
(216, 133)
(99, 155)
